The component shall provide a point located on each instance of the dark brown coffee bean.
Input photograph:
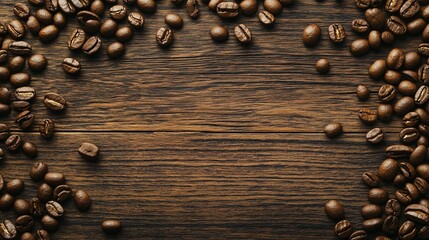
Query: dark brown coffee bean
(16, 29)
(54, 209)
(362, 92)
(5, 95)
(124, 34)
(334, 210)
(108, 28)
(71, 66)
(370, 179)
(423, 140)
(395, 58)
(48, 33)
(15, 186)
(423, 49)
(44, 16)
(376, 18)
(375, 136)
(29, 149)
(362, 4)
(4, 73)
(111, 226)
(323, 65)
(374, 39)
(416, 26)
(24, 120)
(393, 208)
(371, 211)
(60, 20)
(7, 230)
(396, 25)
(38, 171)
(54, 102)
(89, 21)
(360, 26)
(422, 95)
(343, 229)
(393, 5)
(311, 35)
(36, 207)
(24, 223)
(118, 12)
(89, 151)
(418, 155)
(367, 116)
(37, 62)
(33, 25)
(27, 236)
(407, 230)
(77, 39)
(21, 10)
(423, 171)
(97, 7)
(44, 192)
(219, 33)
(386, 93)
(247, 7)
(51, 5)
(409, 9)
(227, 10)
(423, 74)
(409, 135)
(136, 20)
(82, 200)
(417, 213)
(6, 202)
(49, 223)
(148, 6)
(62, 193)
(387, 37)
(115, 50)
(388, 169)
(92, 45)
(21, 105)
(13, 143)
(66, 6)
(412, 60)
(336, 33)
(273, 6)
(407, 88)
(47, 128)
(16, 64)
(54, 179)
(193, 8)
(25, 93)
(377, 195)
(372, 224)
(358, 235)
(391, 224)
(407, 170)
(377, 69)
(266, 18)
(243, 34)
(333, 130)
(359, 47)
(403, 196)
(21, 206)
(173, 20)
(404, 105)
(422, 185)
(164, 37)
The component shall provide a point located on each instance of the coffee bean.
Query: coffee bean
(77, 39)
(359, 47)
(311, 35)
(385, 112)
(417, 213)
(392, 77)
(4, 73)
(395, 58)
(118, 12)
(418, 155)
(377, 69)
(25, 93)
(38, 171)
(213, 5)
(386, 93)
(16, 29)
(89, 151)
(51, 5)
(422, 95)
(393, 5)
(115, 50)
(403, 196)
(371, 211)
(54, 101)
(372, 224)
(89, 21)
(36, 207)
(164, 37)
(323, 65)
(124, 34)
(54, 179)
(136, 20)
(27, 236)
(29, 149)
(376, 18)
(24, 120)
(62, 193)
(407, 170)
(15, 186)
(362, 92)
(82, 200)
(16, 64)
(358, 235)
(343, 229)
(71, 66)
(219, 33)
(42, 235)
(21, 10)
(377, 195)
(148, 6)
(97, 7)
(367, 116)
(54, 209)
(370, 179)
(66, 6)
(409, 9)
(45, 192)
(412, 60)
(4, 56)
(374, 39)
(49, 223)
(111, 226)
(396, 25)
(227, 10)
(375, 136)
(4, 109)
(47, 128)
(416, 26)
(37, 62)
(6, 201)
(423, 171)
(422, 185)
(247, 7)
(334, 210)
(409, 135)
(266, 18)
(393, 208)
(5, 95)
(13, 143)
(273, 6)
(108, 28)
(44, 16)
(423, 74)
(362, 4)
(391, 224)
(33, 25)
(333, 130)
(48, 33)
(388, 169)
(21, 206)
(407, 88)
(92, 45)
(24, 223)
(407, 230)
(360, 26)
(80, 3)
(60, 20)
(404, 105)
(243, 34)
(4, 132)
(193, 8)
(7, 230)
(423, 49)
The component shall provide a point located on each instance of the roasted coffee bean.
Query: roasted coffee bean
(404, 105)
(80, 3)
(21, 10)
(362, 4)
(33, 25)
(118, 12)
(374, 39)
(360, 26)
(343, 229)
(6, 201)
(371, 211)
(423, 171)
(173, 20)
(37, 62)
(409, 75)
(149, 6)
(395, 58)
(42, 235)
(89, 21)
(5, 95)
(416, 26)
(44, 192)
(372, 224)
(409, 135)
(124, 34)
(422, 185)
(115, 50)
(4, 56)
(54, 209)
(409, 9)
(97, 7)
(136, 20)
(13, 143)
(311, 35)
(89, 151)
(227, 10)
(4, 109)
(423, 232)
(412, 60)
(359, 47)
(92, 45)
(38, 171)
(164, 37)
(111, 226)
(370, 179)
(393, 207)
(243, 34)
(14, 186)
(7, 230)
(66, 6)
(24, 223)
(336, 33)
(60, 20)
(362, 92)
(47, 128)
(82, 200)
(266, 18)
(44, 16)
(4, 73)
(375, 136)
(71, 66)
(393, 5)
(323, 65)
(407, 88)
(16, 29)
(3, 28)
(391, 224)
(48, 33)
(213, 4)
(273, 6)
(377, 69)
(247, 7)
(422, 95)
(425, 33)
(219, 33)
(396, 25)
(29, 149)
(407, 170)
(386, 93)
(62, 193)
(359, 235)
(333, 130)
(27, 236)
(25, 93)
(51, 5)
(367, 116)
(54, 101)
(377, 195)
(20, 48)
(334, 210)
(392, 77)
(24, 120)
(21, 206)
(108, 28)
(49, 223)
(36, 207)
(407, 230)
(423, 140)
(423, 49)
(4, 132)
(193, 8)
(413, 190)
(376, 18)
(77, 39)
(21, 105)
(418, 155)
(403, 196)
(423, 74)
(16, 64)
(388, 169)
(54, 179)
(399, 180)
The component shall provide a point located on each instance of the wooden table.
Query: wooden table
(210, 141)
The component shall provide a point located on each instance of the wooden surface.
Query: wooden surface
(211, 141)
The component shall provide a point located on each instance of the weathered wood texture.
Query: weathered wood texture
(210, 141)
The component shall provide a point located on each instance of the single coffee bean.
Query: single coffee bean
(14, 186)
(37, 62)
(33, 25)
(359, 47)
(409, 135)
(371, 211)
(24, 120)
(412, 60)
(362, 92)
(173, 21)
(118, 12)
(375, 136)
(5, 95)
(413, 191)
(407, 230)
(49, 223)
(334, 210)
(409, 9)
(360, 26)
(89, 151)
(266, 18)
(333, 130)
(44, 16)
(80, 3)
(247, 7)
(25, 93)
(323, 65)
(54, 179)
(370, 179)
(422, 185)
(136, 20)
(423, 49)
(273, 6)
(311, 35)
(395, 58)
(66, 6)
(4, 132)
(404, 105)
(367, 116)
(219, 33)
(407, 88)
(24, 223)
(13, 143)
(227, 10)
(343, 229)
(416, 26)
(115, 50)
(48, 33)
(27, 236)
(243, 34)
(7, 230)
(403, 196)
(54, 102)
(423, 171)
(16, 64)
(21, 206)
(407, 170)
(29, 149)
(372, 224)
(392, 77)
(193, 8)
(92, 45)
(21, 10)
(62, 193)
(4, 56)
(38, 171)
(376, 18)
(374, 39)
(362, 4)
(60, 20)
(377, 195)
(377, 69)
(108, 28)
(6, 201)
(124, 34)
(77, 39)
(422, 95)
(82, 200)
(97, 7)
(149, 6)
(358, 235)
(44, 192)
(89, 21)
(386, 93)
(423, 140)
(393, 6)
(36, 207)
(423, 74)
(4, 73)
(388, 169)
(16, 29)
(54, 209)
(418, 155)
(47, 128)
(4, 109)
(390, 225)
(396, 25)
(51, 5)
(164, 37)
(71, 66)
(20, 48)
(42, 235)
(111, 226)
(393, 208)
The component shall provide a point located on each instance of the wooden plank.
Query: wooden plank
(197, 85)
(207, 185)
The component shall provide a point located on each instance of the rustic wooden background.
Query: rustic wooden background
(211, 141)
